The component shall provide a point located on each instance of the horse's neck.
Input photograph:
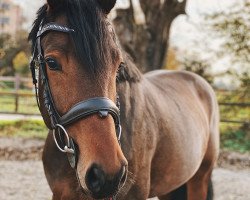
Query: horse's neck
(129, 88)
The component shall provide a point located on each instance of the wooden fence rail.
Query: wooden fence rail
(241, 105)
(17, 80)
(234, 104)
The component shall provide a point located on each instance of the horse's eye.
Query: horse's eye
(53, 64)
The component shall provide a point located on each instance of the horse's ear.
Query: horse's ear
(107, 5)
(52, 3)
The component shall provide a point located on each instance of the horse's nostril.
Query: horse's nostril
(95, 179)
(102, 185)
(123, 177)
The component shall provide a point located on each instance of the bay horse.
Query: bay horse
(89, 92)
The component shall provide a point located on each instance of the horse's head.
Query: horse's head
(78, 59)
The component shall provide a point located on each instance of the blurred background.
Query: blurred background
(208, 37)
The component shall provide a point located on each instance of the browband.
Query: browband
(53, 27)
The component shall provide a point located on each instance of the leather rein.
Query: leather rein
(99, 105)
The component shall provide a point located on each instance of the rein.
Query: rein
(99, 105)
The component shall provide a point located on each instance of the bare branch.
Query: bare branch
(181, 7)
(175, 7)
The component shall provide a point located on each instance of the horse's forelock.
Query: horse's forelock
(91, 38)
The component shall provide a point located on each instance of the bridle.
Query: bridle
(98, 105)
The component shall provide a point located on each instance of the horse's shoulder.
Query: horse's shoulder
(181, 83)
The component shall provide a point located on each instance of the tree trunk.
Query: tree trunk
(147, 42)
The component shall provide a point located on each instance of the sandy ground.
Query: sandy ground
(24, 180)
(22, 176)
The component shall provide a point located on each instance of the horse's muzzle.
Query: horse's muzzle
(101, 185)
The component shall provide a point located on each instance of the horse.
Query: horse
(115, 133)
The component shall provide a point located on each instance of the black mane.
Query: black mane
(92, 36)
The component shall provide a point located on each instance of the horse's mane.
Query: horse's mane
(91, 37)
(128, 71)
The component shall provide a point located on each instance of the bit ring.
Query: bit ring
(67, 148)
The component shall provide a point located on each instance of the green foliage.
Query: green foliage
(237, 139)
(234, 112)
(233, 26)
(234, 137)
(229, 30)
(21, 63)
(9, 48)
(23, 128)
(198, 66)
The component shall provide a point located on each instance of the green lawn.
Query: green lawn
(23, 128)
(26, 105)
(234, 112)
(233, 138)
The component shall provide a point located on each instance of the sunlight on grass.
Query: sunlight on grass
(235, 137)
(26, 104)
(23, 128)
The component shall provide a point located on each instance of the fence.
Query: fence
(30, 107)
(15, 97)
(240, 105)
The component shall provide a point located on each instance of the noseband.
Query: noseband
(98, 105)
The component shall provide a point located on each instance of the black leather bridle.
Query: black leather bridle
(99, 105)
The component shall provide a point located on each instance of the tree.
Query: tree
(146, 41)
(21, 63)
(172, 62)
(198, 66)
(233, 26)
(9, 49)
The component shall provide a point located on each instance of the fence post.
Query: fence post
(17, 87)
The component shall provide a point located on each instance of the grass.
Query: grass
(23, 128)
(25, 104)
(234, 112)
(234, 138)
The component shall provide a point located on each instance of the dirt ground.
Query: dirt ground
(22, 177)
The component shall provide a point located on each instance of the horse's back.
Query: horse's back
(185, 85)
(189, 113)
(189, 92)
